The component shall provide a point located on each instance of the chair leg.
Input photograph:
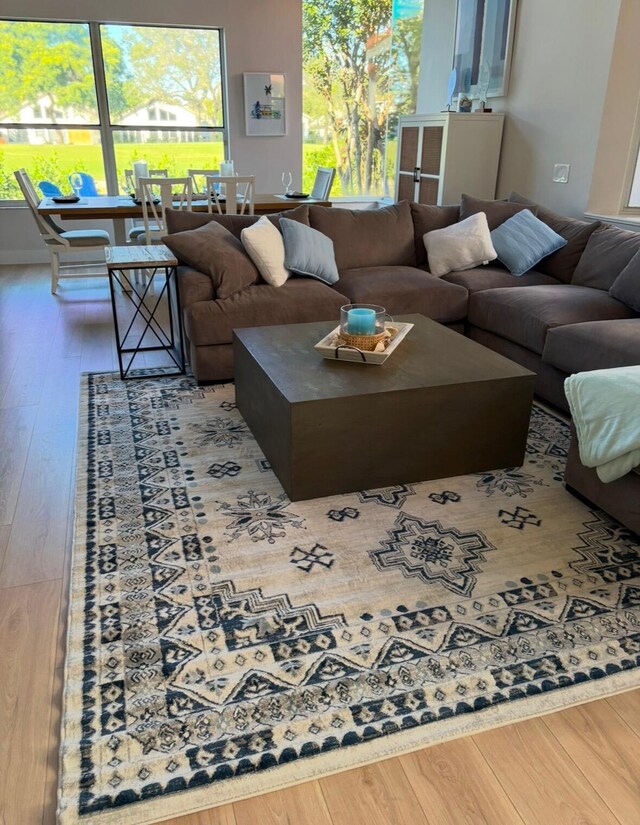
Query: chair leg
(55, 270)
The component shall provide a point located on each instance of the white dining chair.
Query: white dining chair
(130, 181)
(323, 183)
(199, 176)
(239, 193)
(59, 241)
(137, 227)
(173, 193)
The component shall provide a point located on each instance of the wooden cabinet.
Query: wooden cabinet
(440, 156)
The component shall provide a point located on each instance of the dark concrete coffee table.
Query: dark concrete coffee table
(442, 405)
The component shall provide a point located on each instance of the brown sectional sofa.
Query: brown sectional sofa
(375, 253)
(556, 320)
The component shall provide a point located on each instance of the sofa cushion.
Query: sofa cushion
(308, 252)
(404, 289)
(594, 345)
(265, 247)
(523, 240)
(463, 245)
(626, 287)
(494, 277)
(194, 286)
(213, 250)
(497, 212)
(179, 220)
(298, 301)
(524, 314)
(561, 264)
(427, 218)
(368, 237)
(607, 253)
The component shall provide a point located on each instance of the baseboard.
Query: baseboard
(37, 256)
(23, 256)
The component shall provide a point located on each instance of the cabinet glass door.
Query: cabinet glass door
(430, 163)
(407, 162)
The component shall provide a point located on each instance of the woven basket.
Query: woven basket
(364, 342)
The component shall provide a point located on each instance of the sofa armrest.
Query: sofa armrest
(194, 286)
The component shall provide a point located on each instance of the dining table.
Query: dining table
(120, 208)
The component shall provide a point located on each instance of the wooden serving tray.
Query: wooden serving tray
(326, 350)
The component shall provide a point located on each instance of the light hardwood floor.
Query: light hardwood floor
(579, 766)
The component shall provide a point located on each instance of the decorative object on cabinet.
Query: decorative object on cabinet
(264, 104)
(443, 155)
(484, 34)
(451, 89)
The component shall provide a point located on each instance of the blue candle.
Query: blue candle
(361, 322)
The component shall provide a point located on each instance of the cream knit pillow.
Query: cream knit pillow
(462, 245)
(265, 247)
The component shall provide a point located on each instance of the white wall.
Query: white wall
(561, 57)
(436, 54)
(260, 35)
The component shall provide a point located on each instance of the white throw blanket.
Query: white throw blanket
(605, 407)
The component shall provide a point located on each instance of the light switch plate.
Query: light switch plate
(561, 172)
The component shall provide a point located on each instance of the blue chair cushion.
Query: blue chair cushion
(523, 240)
(48, 189)
(308, 252)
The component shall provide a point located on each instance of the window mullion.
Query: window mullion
(106, 135)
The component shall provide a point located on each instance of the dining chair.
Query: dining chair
(234, 203)
(199, 176)
(323, 183)
(137, 227)
(174, 193)
(49, 190)
(88, 188)
(59, 241)
(130, 181)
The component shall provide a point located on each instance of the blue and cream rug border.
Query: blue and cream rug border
(223, 642)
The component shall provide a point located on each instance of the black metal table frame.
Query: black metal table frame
(166, 343)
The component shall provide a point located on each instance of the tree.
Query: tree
(407, 42)
(175, 66)
(338, 39)
(52, 61)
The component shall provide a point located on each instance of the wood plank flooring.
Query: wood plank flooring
(579, 766)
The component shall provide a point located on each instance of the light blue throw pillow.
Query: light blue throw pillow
(308, 252)
(524, 240)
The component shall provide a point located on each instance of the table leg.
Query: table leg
(119, 232)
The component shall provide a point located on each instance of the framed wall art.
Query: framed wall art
(483, 46)
(264, 104)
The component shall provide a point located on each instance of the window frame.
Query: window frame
(104, 125)
(633, 161)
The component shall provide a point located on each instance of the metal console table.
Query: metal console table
(148, 303)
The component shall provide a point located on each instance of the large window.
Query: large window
(634, 195)
(79, 97)
(361, 64)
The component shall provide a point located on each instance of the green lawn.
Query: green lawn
(55, 163)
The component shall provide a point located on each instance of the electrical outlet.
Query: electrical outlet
(561, 172)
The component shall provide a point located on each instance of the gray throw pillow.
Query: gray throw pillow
(626, 287)
(308, 252)
(212, 249)
(523, 240)
(562, 264)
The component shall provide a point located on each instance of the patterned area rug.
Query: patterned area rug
(225, 642)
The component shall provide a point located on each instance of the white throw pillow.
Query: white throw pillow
(462, 245)
(265, 247)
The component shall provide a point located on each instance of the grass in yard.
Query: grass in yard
(56, 163)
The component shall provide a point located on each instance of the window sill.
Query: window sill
(632, 221)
